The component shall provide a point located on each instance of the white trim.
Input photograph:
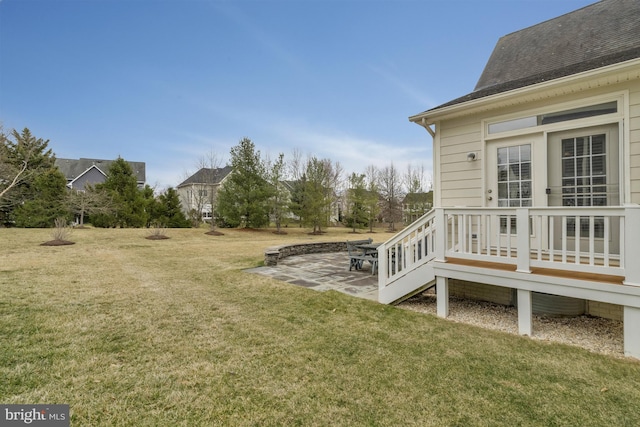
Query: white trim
(621, 97)
(70, 184)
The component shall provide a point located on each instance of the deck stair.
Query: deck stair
(405, 261)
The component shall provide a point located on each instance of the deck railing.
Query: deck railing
(598, 240)
(412, 247)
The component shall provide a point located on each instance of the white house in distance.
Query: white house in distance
(80, 172)
(198, 192)
(537, 178)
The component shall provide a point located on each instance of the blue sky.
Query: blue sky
(166, 82)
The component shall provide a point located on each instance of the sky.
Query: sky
(170, 82)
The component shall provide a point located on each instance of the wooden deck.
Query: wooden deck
(602, 278)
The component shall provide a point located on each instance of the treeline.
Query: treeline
(316, 192)
(34, 193)
(311, 191)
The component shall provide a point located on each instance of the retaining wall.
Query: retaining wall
(275, 253)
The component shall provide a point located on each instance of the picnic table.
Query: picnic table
(361, 251)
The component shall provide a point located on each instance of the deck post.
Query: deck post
(631, 245)
(525, 311)
(631, 326)
(523, 240)
(440, 222)
(442, 296)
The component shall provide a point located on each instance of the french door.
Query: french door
(583, 171)
(515, 172)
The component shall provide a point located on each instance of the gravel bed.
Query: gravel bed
(595, 334)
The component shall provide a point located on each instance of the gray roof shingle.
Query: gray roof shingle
(207, 176)
(601, 34)
(72, 168)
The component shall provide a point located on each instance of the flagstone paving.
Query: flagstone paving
(323, 272)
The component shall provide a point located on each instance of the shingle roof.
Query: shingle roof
(207, 176)
(72, 168)
(601, 34)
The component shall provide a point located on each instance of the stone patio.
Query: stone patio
(323, 272)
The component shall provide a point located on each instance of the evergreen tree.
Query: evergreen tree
(356, 201)
(29, 180)
(129, 202)
(317, 194)
(243, 199)
(170, 210)
(297, 199)
(279, 199)
(46, 202)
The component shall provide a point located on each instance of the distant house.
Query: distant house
(198, 192)
(414, 205)
(537, 178)
(80, 172)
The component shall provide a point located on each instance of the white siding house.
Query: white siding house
(537, 178)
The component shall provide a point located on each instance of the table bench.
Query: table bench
(358, 257)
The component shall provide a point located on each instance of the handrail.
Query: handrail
(607, 239)
(407, 250)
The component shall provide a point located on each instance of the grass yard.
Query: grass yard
(135, 332)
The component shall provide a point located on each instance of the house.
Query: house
(80, 172)
(537, 178)
(414, 205)
(198, 192)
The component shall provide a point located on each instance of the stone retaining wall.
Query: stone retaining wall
(275, 253)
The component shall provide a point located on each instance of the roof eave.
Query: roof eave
(504, 99)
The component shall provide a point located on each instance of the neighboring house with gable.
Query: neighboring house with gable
(198, 192)
(414, 205)
(537, 178)
(80, 172)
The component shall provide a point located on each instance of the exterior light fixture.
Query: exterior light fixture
(471, 157)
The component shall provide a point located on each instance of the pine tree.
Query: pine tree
(29, 181)
(170, 210)
(243, 199)
(129, 202)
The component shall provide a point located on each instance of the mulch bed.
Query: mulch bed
(57, 242)
(157, 237)
(214, 233)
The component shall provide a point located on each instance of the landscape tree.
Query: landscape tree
(297, 198)
(129, 203)
(279, 200)
(316, 206)
(243, 199)
(27, 173)
(170, 212)
(391, 192)
(87, 202)
(372, 199)
(46, 201)
(356, 201)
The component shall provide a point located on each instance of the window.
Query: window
(559, 116)
(584, 179)
(514, 182)
(514, 176)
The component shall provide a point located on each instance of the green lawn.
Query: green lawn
(130, 331)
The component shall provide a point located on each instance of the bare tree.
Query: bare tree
(88, 202)
(200, 197)
(391, 193)
(372, 201)
(296, 165)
